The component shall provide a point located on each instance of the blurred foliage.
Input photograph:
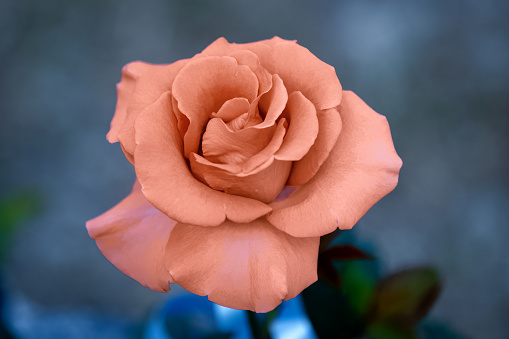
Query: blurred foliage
(405, 297)
(15, 210)
(350, 299)
(260, 322)
(330, 312)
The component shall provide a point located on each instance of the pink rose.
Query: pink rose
(245, 155)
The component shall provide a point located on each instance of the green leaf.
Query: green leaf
(405, 297)
(326, 269)
(16, 210)
(330, 312)
(358, 283)
(259, 323)
(270, 316)
(388, 330)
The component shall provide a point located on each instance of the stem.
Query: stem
(259, 330)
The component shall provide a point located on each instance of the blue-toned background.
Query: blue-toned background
(439, 71)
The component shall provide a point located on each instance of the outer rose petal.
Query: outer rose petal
(124, 89)
(133, 237)
(243, 266)
(362, 168)
(146, 83)
(167, 182)
(300, 69)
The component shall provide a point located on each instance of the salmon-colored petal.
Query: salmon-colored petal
(248, 58)
(221, 144)
(272, 103)
(265, 157)
(167, 182)
(300, 69)
(133, 237)
(232, 108)
(221, 47)
(243, 266)
(276, 40)
(203, 86)
(243, 121)
(329, 128)
(151, 82)
(264, 185)
(182, 120)
(362, 168)
(302, 128)
(128, 155)
(285, 193)
(124, 89)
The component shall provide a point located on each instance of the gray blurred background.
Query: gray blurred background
(439, 71)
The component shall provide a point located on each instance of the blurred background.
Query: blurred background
(439, 71)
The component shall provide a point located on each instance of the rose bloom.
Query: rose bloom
(244, 155)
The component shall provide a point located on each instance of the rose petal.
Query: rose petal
(296, 65)
(250, 59)
(362, 168)
(201, 88)
(264, 158)
(124, 89)
(302, 128)
(182, 120)
(285, 193)
(133, 237)
(272, 103)
(128, 155)
(221, 47)
(276, 40)
(243, 266)
(302, 71)
(329, 122)
(220, 144)
(264, 185)
(232, 108)
(150, 82)
(167, 182)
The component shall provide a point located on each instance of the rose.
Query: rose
(245, 155)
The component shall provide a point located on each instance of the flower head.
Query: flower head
(245, 155)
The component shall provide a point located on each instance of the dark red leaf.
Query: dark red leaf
(344, 252)
(327, 272)
(327, 239)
